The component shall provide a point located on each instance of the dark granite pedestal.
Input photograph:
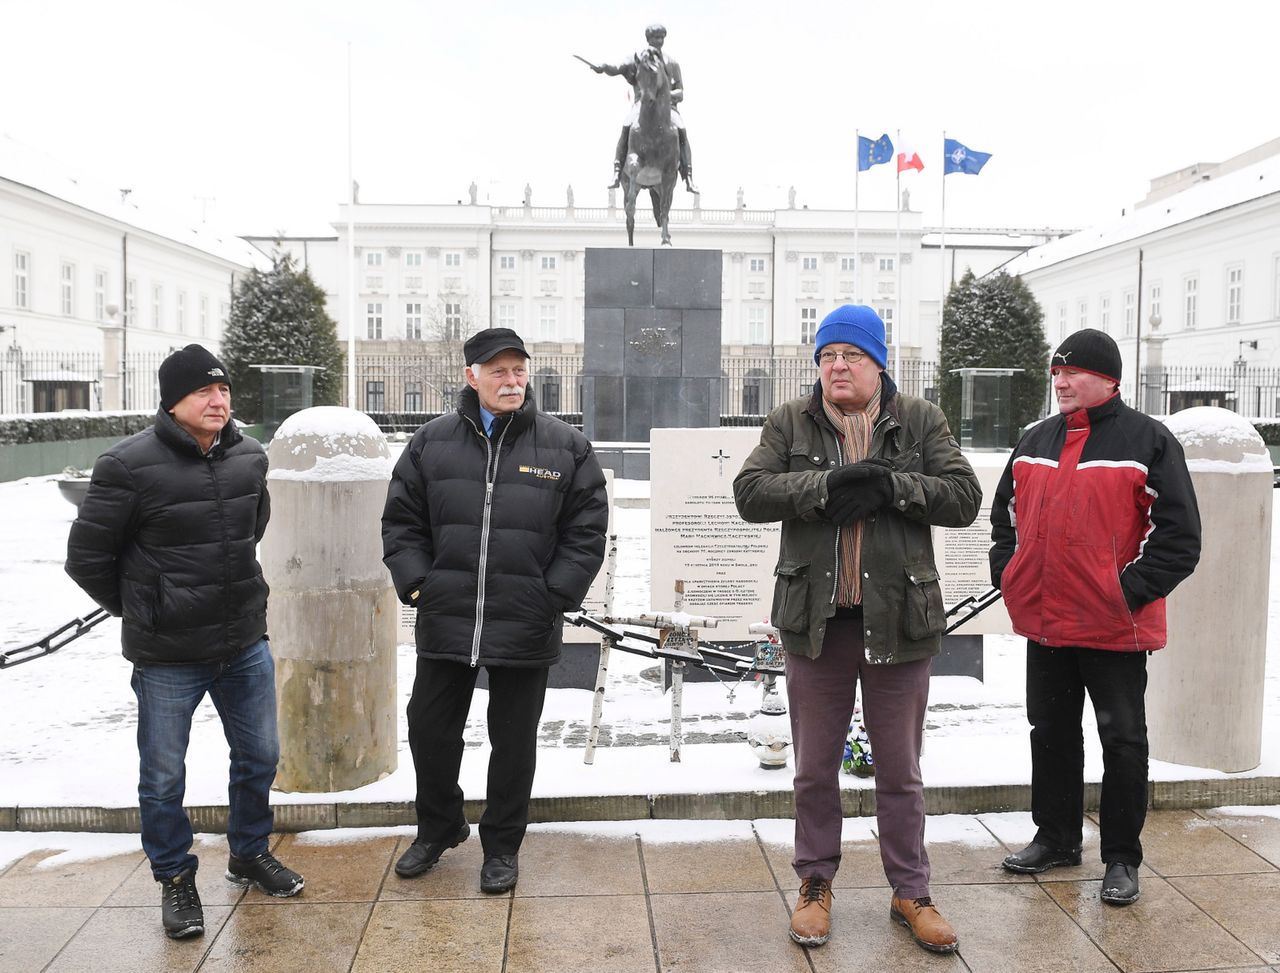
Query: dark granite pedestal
(651, 349)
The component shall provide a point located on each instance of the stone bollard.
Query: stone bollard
(1205, 688)
(332, 611)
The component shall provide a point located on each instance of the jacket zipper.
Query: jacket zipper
(490, 475)
(226, 546)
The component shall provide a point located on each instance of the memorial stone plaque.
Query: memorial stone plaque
(696, 535)
(961, 553)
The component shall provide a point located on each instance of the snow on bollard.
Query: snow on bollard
(1205, 689)
(332, 612)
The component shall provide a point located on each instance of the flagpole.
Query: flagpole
(942, 246)
(351, 252)
(897, 262)
(857, 262)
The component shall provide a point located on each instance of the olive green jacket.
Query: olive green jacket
(785, 479)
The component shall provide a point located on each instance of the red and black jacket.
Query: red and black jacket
(1093, 524)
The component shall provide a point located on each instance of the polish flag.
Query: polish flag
(908, 158)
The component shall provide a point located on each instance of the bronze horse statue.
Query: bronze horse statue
(653, 146)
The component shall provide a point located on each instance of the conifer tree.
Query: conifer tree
(994, 322)
(278, 317)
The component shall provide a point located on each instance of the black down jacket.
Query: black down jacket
(497, 536)
(166, 538)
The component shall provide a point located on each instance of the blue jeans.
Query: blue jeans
(243, 689)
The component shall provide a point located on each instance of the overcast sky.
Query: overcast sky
(245, 102)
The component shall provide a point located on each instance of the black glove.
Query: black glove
(852, 473)
(857, 490)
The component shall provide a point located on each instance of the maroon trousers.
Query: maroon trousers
(820, 694)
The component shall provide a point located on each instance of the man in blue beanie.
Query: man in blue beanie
(858, 474)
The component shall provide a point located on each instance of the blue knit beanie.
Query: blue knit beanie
(853, 324)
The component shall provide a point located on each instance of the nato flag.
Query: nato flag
(873, 153)
(958, 157)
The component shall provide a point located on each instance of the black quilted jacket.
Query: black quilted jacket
(167, 539)
(497, 535)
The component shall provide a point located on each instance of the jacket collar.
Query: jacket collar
(177, 438)
(469, 406)
(888, 398)
(1092, 415)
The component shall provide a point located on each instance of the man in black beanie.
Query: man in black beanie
(1093, 524)
(166, 540)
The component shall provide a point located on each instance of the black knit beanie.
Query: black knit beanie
(1089, 350)
(186, 370)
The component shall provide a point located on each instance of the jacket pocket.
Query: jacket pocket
(791, 596)
(923, 613)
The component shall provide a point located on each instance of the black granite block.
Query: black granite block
(603, 341)
(700, 343)
(635, 466)
(620, 277)
(602, 415)
(638, 407)
(687, 278)
(579, 662)
(961, 656)
(653, 342)
(681, 403)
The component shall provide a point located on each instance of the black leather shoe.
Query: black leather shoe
(421, 856)
(1037, 858)
(1120, 886)
(499, 874)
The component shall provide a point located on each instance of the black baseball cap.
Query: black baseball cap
(483, 345)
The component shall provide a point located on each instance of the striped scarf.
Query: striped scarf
(854, 430)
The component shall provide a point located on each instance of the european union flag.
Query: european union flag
(873, 153)
(958, 157)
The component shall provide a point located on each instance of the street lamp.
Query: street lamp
(1240, 347)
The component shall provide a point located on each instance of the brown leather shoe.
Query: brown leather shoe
(811, 922)
(927, 926)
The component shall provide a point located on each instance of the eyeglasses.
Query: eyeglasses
(850, 357)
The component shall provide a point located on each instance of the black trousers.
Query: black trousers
(437, 717)
(1057, 679)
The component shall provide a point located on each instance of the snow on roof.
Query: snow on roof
(29, 167)
(959, 238)
(1248, 183)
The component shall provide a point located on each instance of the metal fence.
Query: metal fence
(754, 385)
(1253, 392)
(404, 390)
(52, 381)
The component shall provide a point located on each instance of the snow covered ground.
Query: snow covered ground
(67, 721)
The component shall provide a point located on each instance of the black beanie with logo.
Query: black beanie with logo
(186, 370)
(1089, 350)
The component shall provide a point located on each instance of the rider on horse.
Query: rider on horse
(655, 34)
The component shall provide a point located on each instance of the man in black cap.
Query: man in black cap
(494, 525)
(1093, 524)
(166, 539)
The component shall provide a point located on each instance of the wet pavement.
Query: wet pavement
(663, 896)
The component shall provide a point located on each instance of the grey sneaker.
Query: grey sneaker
(180, 908)
(266, 872)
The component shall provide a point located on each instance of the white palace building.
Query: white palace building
(1196, 266)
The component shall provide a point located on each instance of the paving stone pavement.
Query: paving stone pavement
(665, 896)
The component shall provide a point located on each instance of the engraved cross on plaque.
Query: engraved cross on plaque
(721, 456)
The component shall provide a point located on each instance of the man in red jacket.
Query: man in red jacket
(1093, 524)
